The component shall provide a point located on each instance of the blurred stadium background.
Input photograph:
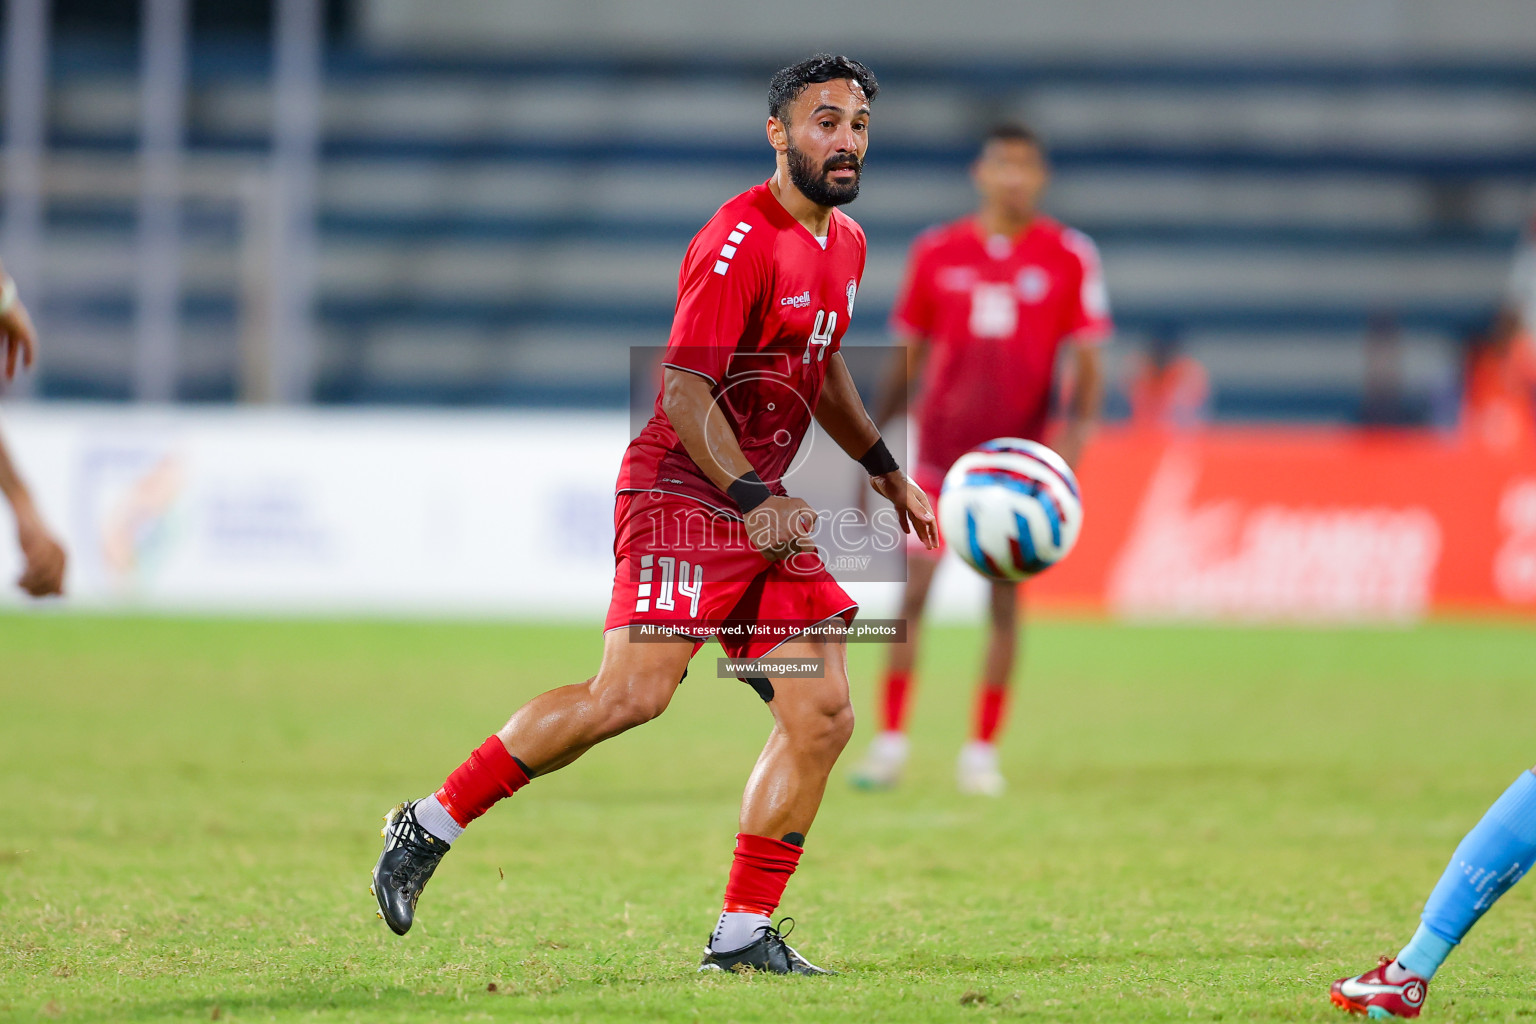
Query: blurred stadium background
(337, 298)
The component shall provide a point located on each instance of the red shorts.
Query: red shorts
(692, 572)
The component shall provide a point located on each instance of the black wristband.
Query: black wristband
(878, 461)
(748, 491)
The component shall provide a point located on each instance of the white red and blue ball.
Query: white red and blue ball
(1010, 508)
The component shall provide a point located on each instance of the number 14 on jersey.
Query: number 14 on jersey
(821, 335)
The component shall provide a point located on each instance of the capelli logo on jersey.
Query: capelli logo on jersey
(800, 301)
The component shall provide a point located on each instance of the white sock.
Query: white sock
(977, 754)
(737, 931)
(436, 819)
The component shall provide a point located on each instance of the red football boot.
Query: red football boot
(1376, 997)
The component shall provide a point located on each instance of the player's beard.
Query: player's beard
(813, 183)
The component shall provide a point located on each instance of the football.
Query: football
(1010, 508)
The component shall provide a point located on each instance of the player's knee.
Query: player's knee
(621, 712)
(841, 726)
(631, 702)
(829, 727)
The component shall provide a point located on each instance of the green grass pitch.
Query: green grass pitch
(1203, 824)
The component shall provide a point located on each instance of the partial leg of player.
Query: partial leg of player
(1495, 855)
(887, 755)
(977, 771)
(812, 721)
(633, 686)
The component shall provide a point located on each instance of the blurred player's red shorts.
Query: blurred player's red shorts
(694, 572)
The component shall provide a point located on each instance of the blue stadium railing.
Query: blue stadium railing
(230, 61)
(216, 58)
(110, 217)
(1516, 162)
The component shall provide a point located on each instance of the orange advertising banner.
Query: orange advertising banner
(1266, 524)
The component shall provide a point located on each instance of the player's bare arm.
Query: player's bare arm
(902, 372)
(43, 573)
(18, 339)
(1085, 404)
(778, 525)
(842, 415)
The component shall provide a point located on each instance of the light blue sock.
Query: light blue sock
(1494, 856)
(1424, 953)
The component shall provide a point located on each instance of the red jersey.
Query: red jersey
(761, 307)
(994, 312)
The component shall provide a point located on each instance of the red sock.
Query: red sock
(759, 874)
(490, 774)
(897, 685)
(991, 707)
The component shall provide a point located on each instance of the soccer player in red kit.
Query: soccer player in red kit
(707, 538)
(988, 304)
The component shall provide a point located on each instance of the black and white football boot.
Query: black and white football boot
(769, 953)
(411, 854)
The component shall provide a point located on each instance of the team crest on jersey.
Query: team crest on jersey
(853, 290)
(1032, 283)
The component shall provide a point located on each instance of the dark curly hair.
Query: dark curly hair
(788, 82)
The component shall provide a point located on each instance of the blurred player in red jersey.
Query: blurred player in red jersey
(43, 572)
(1499, 378)
(988, 303)
(707, 538)
(1169, 390)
